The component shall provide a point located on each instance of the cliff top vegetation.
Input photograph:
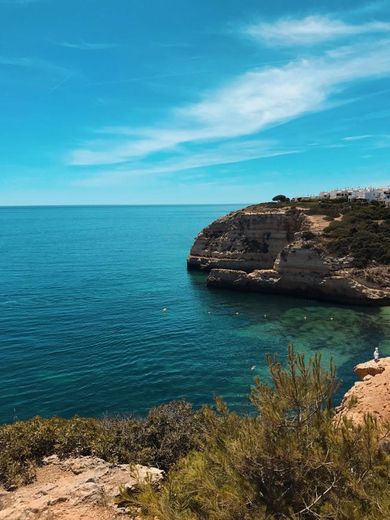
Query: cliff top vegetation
(356, 228)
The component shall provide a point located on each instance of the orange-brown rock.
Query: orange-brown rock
(372, 368)
(372, 395)
(81, 488)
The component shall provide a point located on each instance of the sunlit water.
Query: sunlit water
(99, 315)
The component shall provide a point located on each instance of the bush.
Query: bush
(280, 198)
(308, 235)
(364, 233)
(288, 461)
(168, 433)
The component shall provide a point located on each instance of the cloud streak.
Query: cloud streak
(310, 30)
(88, 46)
(226, 153)
(249, 104)
(32, 63)
(20, 2)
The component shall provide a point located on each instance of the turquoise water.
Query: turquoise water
(83, 330)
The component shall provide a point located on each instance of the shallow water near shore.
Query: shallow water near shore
(98, 315)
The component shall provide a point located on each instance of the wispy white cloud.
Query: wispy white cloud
(357, 137)
(33, 63)
(254, 101)
(21, 2)
(88, 46)
(225, 153)
(310, 30)
(62, 82)
(53, 75)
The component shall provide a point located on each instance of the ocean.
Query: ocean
(98, 315)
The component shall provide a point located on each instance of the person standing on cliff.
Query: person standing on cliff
(376, 354)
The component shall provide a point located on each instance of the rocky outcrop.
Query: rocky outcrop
(75, 488)
(372, 368)
(245, 240)
(369, 396)
(281, 251)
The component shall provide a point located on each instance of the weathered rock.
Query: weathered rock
(245, 240)
(81, 487)
(280, 251)
(371, 368)
(370, 396)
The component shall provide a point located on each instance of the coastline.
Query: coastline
(286, 250)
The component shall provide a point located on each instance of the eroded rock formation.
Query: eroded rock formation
(370, 395)
(245, 240)
(281, 250)
(75, 488)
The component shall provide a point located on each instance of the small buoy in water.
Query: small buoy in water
(305, 317)
(209, 312)
(254, 366)
(331, 318)
(165, 309)
(237, 313)
(265, 315)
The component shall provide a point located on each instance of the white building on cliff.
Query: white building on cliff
(369, 194)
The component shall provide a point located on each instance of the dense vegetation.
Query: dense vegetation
(361, 231)
(169, 432)
(364, 233)
(288, 461)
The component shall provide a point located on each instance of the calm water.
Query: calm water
(83, 330)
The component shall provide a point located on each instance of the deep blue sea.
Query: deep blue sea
(98, 315)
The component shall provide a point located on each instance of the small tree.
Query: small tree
(287, 461)
(280, 198)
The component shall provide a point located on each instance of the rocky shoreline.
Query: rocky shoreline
(281, 251)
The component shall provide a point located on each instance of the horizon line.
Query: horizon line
(8, 206)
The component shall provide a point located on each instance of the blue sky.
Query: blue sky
(201, 101)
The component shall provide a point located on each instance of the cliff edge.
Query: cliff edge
(74, 488)
(370, 395)
(287, 250)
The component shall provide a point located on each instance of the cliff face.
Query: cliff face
(245, 240)
(281, 251)
(370, 395)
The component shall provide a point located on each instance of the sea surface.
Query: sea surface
(98, 315)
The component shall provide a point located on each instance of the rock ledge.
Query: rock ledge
(370, 396)
(74, 488)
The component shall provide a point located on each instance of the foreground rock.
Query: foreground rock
(371, 395)
(70, 489)
(282, 251)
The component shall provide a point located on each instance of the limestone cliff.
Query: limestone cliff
(370, 395)
(281, 250)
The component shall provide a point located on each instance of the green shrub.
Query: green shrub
(168, 433)
(288, 461)
(364, 233)
(280, 198)
(308, 235)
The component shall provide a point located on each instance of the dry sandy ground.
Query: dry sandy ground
(318, 222)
